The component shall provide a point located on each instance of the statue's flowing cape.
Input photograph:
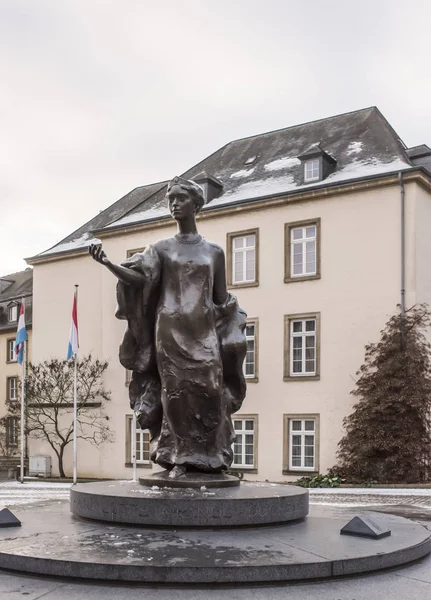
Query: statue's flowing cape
(176, 374)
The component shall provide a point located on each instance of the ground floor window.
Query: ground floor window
(12, 425)
(244, 447)
(301, 442)
(142, 444)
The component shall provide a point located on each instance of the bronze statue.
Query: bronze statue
(184, 342)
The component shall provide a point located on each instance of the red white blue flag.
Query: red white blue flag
(73, 339)
(21, 335)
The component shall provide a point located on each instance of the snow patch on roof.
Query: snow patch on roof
(254, 189)
(242, 173)
(282, 163)
(354, 148)
(361, 168)
(277, 185)
(81, 242)
(156, 212)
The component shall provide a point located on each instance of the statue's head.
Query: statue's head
(180, 187)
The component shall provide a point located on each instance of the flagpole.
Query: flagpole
(135, 478)
(22, 407)
(75, 405)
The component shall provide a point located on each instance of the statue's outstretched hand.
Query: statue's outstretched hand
(98, 254)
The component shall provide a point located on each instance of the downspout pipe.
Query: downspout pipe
(403, 255)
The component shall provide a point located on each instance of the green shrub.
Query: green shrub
(320, 481)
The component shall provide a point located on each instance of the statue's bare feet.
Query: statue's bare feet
(177, 472)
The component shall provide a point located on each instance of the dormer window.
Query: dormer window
(211, 186)
(316, 164)
(312, 170)
(12, 313)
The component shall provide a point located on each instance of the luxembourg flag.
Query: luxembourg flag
(73, 339)
(21, 335)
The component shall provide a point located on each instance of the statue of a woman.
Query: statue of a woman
(184, 342)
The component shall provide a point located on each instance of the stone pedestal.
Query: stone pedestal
(248, 504)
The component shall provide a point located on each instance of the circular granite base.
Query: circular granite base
(130, 503)
(190, 479)
(52, 542)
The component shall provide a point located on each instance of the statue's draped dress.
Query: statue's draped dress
(186, 354)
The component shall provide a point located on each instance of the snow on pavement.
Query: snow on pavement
(14, 493)
(361, 497)
(373, 491)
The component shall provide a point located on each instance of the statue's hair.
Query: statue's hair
(194, 188)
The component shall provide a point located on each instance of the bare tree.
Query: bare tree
(49, 404)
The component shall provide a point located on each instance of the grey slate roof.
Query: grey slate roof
(362, 143)
(420, 156)
(419, 151)
(12, 288)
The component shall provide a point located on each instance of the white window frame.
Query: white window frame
(250, 339)
(302, 242)
(12, 313)
(243, 251)
(142, 442)
(242, 432)
(304, 335)
(12, 386)
(311, 170)
(12, 440)
(302, 433)
(11, 356)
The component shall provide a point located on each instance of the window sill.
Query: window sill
(244, 284)
(301, 278)
(11, 362)
(301, 378)
(252, 379)
(313, 180)
(302, 473)
(243, 469)
(139, 465)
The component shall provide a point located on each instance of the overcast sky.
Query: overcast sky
(98, 97)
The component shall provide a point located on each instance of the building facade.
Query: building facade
(311, 220)
(13, 288)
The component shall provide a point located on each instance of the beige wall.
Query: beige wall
(53, 289)
(423, 245)
(358, 291)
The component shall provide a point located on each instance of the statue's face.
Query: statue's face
(181, 204)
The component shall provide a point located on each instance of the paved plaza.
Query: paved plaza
(409, 583)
